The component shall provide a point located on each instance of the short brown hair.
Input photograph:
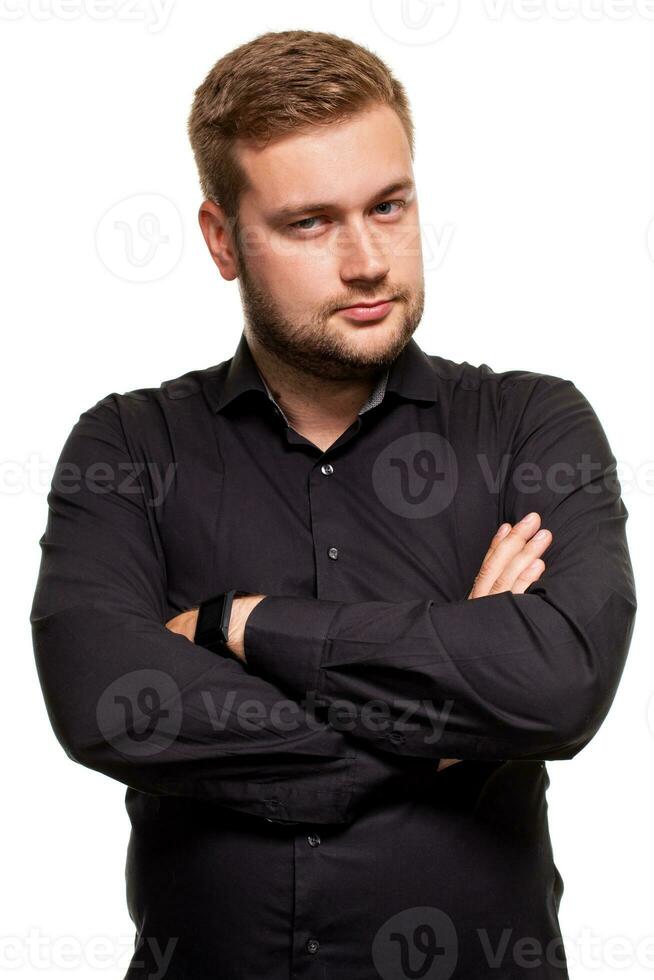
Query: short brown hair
(275, 84)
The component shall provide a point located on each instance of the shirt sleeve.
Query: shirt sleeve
(146, 706)
(504, 676)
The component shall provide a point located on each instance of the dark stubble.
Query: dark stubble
(311, 346)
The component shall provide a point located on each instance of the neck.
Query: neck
(308, 401)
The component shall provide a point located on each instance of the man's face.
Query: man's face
(296, 270)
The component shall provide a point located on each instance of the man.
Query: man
(350, 783)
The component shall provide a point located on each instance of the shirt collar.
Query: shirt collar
(373, 399)
(411, 375)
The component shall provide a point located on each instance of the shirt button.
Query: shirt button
(396, 737)
(313, 839)
(272, 805)
(312, 946)
(327, 469)
(333, 552)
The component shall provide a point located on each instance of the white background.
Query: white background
(535, 158)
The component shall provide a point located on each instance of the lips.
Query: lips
(364, 312)
(376, 302)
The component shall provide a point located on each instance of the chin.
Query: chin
(383, 333)
(371, 342)
(375, 328)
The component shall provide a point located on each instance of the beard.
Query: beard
(311, 346)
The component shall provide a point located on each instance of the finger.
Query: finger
(497, 558)
(499, 535)
(532, 549)
(530, 575)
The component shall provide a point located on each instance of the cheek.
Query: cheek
(406, 253)
(299, 276)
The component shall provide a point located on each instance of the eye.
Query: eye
(384, 203)
(303, 226)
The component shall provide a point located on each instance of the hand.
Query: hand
(184, 623)
(507, 564)
(444, 763)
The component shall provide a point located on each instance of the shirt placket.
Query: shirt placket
(310, 915)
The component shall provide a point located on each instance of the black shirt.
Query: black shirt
(287, 816)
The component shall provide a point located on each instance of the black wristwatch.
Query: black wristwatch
(212, 625)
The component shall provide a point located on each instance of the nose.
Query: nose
(363, 256)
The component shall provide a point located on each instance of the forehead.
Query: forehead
(341, 160)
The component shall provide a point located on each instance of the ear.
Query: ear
(216, 229)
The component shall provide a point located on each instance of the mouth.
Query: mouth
(368, 311)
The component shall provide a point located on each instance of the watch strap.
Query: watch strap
(212, 625)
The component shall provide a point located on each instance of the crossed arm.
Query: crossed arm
(513, 674)
(518, 673)
(512, 561)
(526, 675)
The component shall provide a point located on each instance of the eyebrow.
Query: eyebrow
(292, 211)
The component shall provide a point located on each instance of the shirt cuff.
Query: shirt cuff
(285, 638)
